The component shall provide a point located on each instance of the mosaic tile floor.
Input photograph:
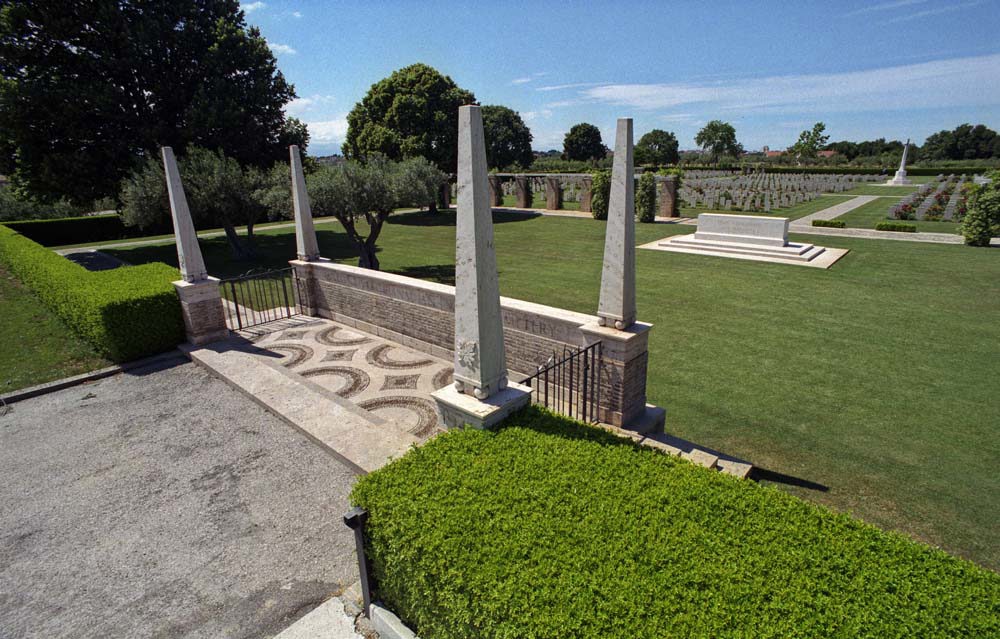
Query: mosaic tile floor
(392, 381)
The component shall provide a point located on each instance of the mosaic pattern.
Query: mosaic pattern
(356, 380)
(328, 336)
(379, 356)
(392, 381)
(296, 353)
(422, 411)
(400, 382)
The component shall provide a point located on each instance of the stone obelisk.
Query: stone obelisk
(201, 303)
(900, 178)
(305, 233)
(188, 252)
(480, 395)
(617, 303)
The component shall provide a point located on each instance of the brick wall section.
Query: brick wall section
(421, 315)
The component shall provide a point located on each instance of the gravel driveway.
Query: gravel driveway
(161, 503)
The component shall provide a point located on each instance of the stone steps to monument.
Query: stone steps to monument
(796, 252)
(356, 436)
(700, 455)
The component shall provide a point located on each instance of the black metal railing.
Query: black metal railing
(261, 296)
(570, 383)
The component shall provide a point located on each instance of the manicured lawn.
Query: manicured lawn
(37, 346)
(868, 215)
(793, 212)
(871, 386)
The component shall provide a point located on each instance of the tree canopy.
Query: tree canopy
(508, 140)
(88, 90)
(657, 147)
(583, 142)
(810, 141)
(411, 113)
(719, 138)
(966, 142)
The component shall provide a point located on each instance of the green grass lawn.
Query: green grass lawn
(793, 212)
(538, 202)
(870, 214)
(38, 346)
(869, 387)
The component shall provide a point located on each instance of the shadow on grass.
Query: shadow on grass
(440, 273)
(763, 474)
(273, 251)
(447, 218)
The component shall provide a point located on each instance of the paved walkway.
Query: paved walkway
(834, 211)
(161, 503)
(871, 234)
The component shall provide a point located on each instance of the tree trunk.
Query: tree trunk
(368, 257)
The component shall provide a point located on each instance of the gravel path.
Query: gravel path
(161, 503)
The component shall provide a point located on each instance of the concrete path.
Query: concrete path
(871, 234)
(161, 503)
(834, 211)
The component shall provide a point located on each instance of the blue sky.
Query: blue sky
(868, 69)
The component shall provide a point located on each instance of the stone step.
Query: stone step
(702, 458)
(356, 436)
(698, 454)
(797, 252)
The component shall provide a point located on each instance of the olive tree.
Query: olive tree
(362, 196)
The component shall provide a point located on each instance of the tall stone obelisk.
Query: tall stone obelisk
(900, 178)
(480, 395)
(201, 303)
(617, 303)
(305, 233)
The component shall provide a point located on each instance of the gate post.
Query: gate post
(553, 194)
(586, 194)
(201, 303)
(523, 190)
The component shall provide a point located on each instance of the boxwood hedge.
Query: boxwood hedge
(125, 313)
(899, 227)
(548, 528)
(80, 230)
(833, 224)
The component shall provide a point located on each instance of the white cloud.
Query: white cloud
(281, 49)
(253, 6)
(299, 106)
(296, 14)
(528, 116)
(520, 80)
(328, 131)
(678, 117)
(971, 81)
(560, 87)
(885, 6)
(933, 12)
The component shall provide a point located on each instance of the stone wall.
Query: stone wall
(420, 315)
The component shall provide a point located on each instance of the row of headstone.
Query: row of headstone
(762, 191)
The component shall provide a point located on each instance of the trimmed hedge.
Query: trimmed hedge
(549, 528)
(833, 224)
(896, 226)
(125, 313)
(80, 230)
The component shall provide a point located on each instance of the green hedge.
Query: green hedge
(833, 224)
(548, 528)
(854, 170)
(80, 230)
(896, 226)
(125, 313)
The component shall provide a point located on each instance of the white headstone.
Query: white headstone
(480, 359)
(305, 234)
(189, 257)
(617, 304)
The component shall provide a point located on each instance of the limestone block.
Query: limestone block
(586, 194)
(192, 265)
(305, 233)
(523, 192)
(458, 409)
(553, 194)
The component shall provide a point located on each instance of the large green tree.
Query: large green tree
(966, 142)
(583, 142)
(90, 88)
(718, 138)
(508, 140)
(657, 147)
(810, 142)
(412, 113)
